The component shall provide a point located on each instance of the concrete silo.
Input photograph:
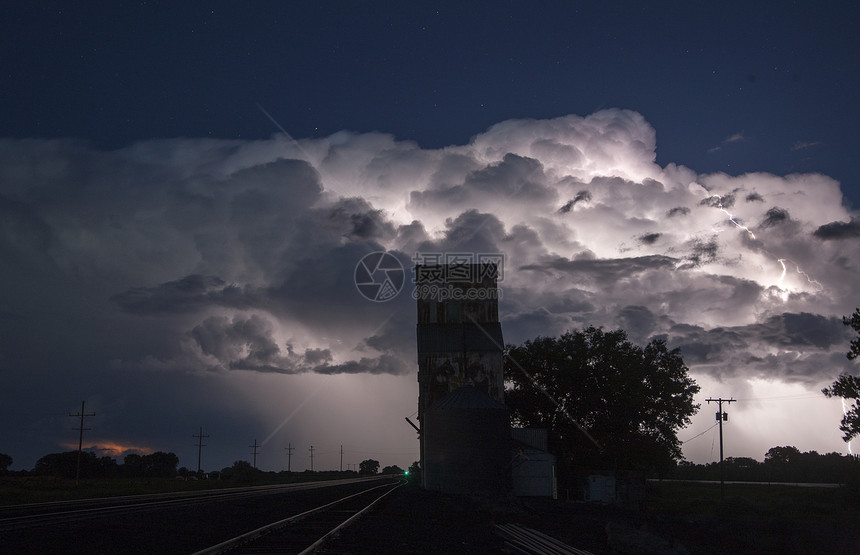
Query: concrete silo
(465, 426)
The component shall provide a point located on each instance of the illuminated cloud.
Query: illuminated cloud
(223, 258)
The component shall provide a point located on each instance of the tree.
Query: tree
(64, 465)
(415, 472)
(368, 466)
(242, 471)
(781, 456)
(608, 404)
(848, 386)
(393, 469)
(159, 464)
(5, 462)
(132, 466)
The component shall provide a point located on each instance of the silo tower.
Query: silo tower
(465, 427)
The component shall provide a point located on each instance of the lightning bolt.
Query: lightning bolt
(784, 294)
(784, 291)
(809, 279)
(293, 413)
(732, 216)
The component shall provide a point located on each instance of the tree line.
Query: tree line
(781, 464)
(153, 465)
(65, 465)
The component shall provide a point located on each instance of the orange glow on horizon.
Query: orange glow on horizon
(110, 448)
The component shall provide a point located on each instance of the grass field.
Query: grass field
(755, 518)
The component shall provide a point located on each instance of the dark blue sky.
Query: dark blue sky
(779, 77)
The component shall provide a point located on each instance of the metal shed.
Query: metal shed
(532, 466)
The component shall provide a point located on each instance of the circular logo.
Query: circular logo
(379, 276)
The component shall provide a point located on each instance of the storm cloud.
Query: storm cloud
(221, 258)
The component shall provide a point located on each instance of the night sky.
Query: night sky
(186, 189)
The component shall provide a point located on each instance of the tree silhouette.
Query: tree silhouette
(608, 403)
(781, 464)
(415, 472)
(368, 466)
(848, 386)
(132, 466)
(242, 471)
(5, 462)
(64, 465)
(159, 464)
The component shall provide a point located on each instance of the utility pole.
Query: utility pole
(312, 457)
(200, 447)
(289, 456)
(81, 428)
(254, 447)
(341, 458)
(721, 417)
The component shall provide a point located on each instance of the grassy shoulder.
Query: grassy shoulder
(678, 518)
(755, 518)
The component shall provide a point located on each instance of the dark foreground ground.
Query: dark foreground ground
(676, 518)
(687, 518)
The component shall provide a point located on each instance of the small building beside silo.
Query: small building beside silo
(532, 465)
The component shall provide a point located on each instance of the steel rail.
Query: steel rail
(133, 503)
(337, 529)
(253, 535)
(526, 540)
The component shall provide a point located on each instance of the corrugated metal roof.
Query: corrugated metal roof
(459, 338)
(467, 397)
(533, 437)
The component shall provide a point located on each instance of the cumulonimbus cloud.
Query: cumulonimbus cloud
(244, 251)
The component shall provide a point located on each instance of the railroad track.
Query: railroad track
(20, 517)
(527, 541)
(307, 531)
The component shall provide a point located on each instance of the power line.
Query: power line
(289, 449)
(254, 447)
(200, 447)
(721, 417)
(81, 428)
(713, 442)
(796, 397)
(701, 434)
